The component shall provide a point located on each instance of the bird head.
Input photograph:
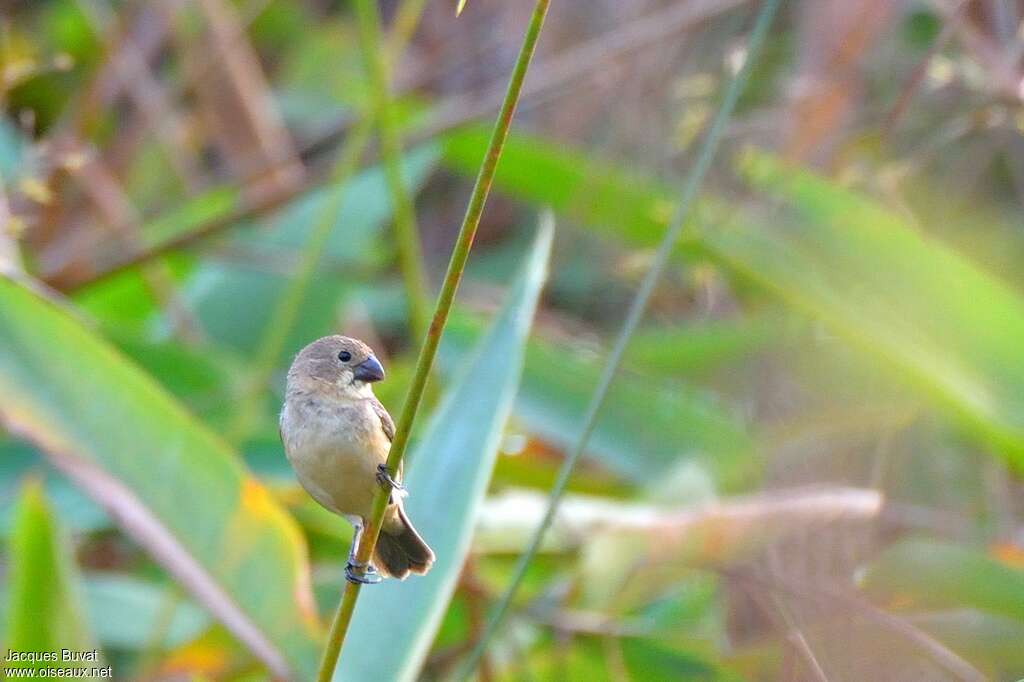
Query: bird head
(341, 363)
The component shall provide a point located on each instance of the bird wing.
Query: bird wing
(386, 423)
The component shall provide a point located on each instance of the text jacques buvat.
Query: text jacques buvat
(61, 663)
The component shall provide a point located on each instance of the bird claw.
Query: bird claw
(386, 481)
(361, 574)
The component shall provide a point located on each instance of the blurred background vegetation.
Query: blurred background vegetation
(808, 468)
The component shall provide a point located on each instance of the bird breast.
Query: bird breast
(334, 448)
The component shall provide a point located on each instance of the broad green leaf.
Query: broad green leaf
(44, 611)
(124, 302)
(364, 210)
(597, 658)
(917, 305)
(173, 486)
(534, 468)
(653, 660)
(596, 193)
(19, 461)
(695, 349)
(551, 661)
(212, 205)
(926, 574)
(647, 425)
(203, 378)
(127, 612)
(218, 291)
(447, 480)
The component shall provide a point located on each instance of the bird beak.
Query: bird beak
(369, 370)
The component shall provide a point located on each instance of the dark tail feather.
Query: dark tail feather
(400, 550)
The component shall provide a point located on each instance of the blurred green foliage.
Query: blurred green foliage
(831, 327)
(44, 611)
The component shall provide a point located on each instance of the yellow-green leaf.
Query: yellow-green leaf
(909, 301)
(171, 484)
(922, 309)
(45, 611)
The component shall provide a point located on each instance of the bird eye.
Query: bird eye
(344, 356)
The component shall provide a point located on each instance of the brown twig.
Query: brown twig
(132, 72)
(235, 101)
(1005, 76)
(565, 69)
(837, 596)
(917, 77)
(120, 216)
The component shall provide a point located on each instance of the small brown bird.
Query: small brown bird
(336, 435)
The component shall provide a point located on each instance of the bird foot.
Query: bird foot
(361, 574)
(386, 481)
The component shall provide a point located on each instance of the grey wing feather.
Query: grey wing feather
(386, 422)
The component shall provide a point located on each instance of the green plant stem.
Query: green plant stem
(637, 307)
(407, 17)
(410, 255)
(425, 361)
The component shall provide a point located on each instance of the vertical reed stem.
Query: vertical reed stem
(410, 255)
(425, 361)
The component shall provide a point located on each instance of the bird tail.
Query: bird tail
(400, 550)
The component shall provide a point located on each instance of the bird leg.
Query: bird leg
(361, 574)
(356, 571)
(387, 482)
